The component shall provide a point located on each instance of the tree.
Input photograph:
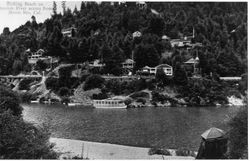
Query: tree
(34, 23)
(54, 8)
(64, 6)
(146, 55)
(180, 76)
(64, 91)
(65, 77)
(25, 84)
(82, 6)
(53, 46)
(21, 140)
(6, 31)
(238, 135)
(114, 86)
(51, 83)
(41, 65)
(157, 26)
(75, 12)
(17, 67)
(93, 81)
(113, 59)
(9, 101)
(161, 77)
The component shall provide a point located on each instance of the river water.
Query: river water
(173, 127)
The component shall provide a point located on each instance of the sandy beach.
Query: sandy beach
(105, 151)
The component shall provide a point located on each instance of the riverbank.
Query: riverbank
(69, 148)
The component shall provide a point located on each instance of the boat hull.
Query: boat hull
(109, 107)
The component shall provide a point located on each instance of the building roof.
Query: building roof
(147, 67)
(163, 65)
(213, 133)
(128, 61)
(192, 61)
(230, 78)
(158, 66)
(40, 50)
(165, 37)
(68, 29)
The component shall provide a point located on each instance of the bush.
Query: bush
(141, 100)
(204, 92)
(21, 140)
(158, 151)
(100, 96)
(26, 97)
(64, 91)
(41, 65)
(84, 77)
(128, 101)
(238, 135)
(116, 71)
(139, 94)
(114, 86)
(24, 84)
(185, 152)
(65, 100)
(9, 100)
(51, 83)
(93, 81)
(65, 76)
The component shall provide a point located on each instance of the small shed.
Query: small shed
(213, 144)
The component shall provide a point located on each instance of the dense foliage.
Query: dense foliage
(19, 139)
(204, 92)
(238, 135)
(104, 31)
(9, 101)
(93, 81)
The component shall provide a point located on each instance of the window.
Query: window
(168, 71)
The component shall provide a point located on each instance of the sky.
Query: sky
(14, 13)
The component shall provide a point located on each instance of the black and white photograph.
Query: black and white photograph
(123, 80)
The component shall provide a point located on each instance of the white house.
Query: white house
(68, 31)
(34, 57)
(168, 70)
(128, 64)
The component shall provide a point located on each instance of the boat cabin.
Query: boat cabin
(109, 103)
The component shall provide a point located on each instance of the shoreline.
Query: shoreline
(69, 148)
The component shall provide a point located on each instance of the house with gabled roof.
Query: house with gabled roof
(168, 70)
(69, 32)
(128, 64)
(191, 66)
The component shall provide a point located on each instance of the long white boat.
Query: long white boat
(109, 103)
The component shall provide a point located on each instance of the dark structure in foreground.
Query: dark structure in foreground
(213, 144)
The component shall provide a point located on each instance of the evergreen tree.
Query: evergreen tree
(54, 8)
(64, 7)
(180, 76)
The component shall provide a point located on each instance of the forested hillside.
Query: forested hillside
(104, 31)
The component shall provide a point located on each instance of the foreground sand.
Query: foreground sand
(93, 150)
